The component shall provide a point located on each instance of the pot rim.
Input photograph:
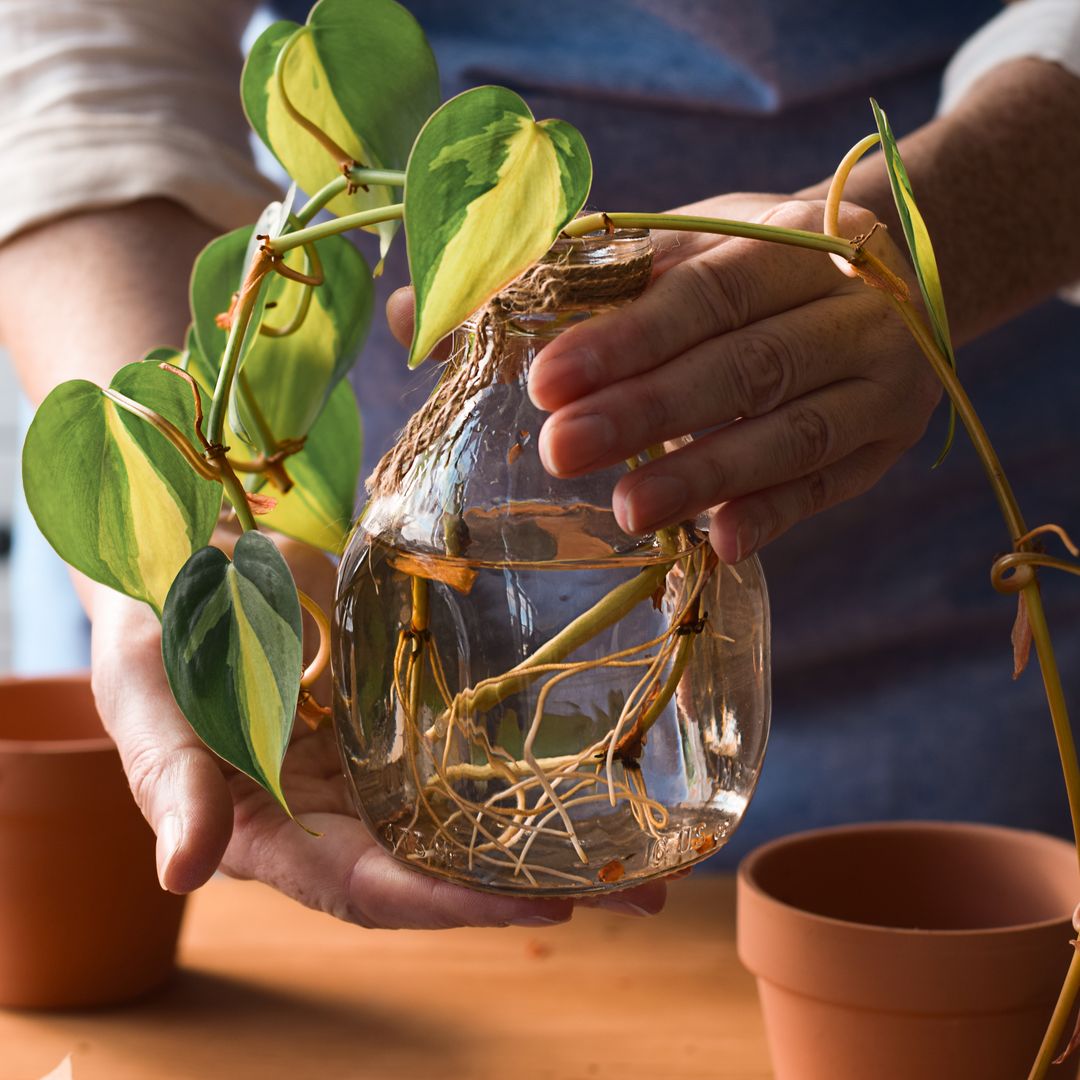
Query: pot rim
(91, 744)
(750, 864)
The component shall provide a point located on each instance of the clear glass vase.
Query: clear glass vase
(528, 699)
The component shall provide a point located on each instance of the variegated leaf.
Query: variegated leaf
(487, 191)
(289, 379)
(921, 250)
(113, 496)
(318, 509)
(361, 71)
(231, 642)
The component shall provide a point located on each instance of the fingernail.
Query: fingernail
(654, 500)
(746, 539)
(169, 838)
(538, 920)
(558, 380)
(581, 441)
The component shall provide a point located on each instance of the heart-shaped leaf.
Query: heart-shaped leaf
(921, 250)
(487, 191)
(362, 72)
(231, 642)
(289, 379)
(111, 494)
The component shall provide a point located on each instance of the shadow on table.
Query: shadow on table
(210, 1025)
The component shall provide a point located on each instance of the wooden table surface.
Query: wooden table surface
(271, 991)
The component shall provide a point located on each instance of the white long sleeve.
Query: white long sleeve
(1045, 29)
(109, 101)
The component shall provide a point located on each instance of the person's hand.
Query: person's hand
(206, 815)
(806, 383)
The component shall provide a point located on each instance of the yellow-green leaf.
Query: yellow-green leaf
(111, 494)
(487, 191)
(921, 250)
(318, 509)
(362, 72)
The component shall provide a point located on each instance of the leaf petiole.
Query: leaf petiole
(357, 176)
(281, 244)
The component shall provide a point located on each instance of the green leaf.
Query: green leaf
(362, 72)
(111, 494)
(291, 378)
(319, 508)
(487, 191)
(231, 642)
(921, 250)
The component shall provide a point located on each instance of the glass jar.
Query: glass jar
(527, 698)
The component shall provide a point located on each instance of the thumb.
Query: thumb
(400, 308)
(175, 779)
(401, 318)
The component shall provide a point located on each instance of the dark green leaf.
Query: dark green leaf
(231, 642)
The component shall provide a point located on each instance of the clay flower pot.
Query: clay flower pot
(908, 951)
(83, 920)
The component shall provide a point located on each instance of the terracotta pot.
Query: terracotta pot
(908, 951)
(83, 920)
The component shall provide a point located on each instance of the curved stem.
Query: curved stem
(318, 664)
(1016, 559)
(357, 176)
(312, 266)
(393, 212)
(722, 226)
(836, 188)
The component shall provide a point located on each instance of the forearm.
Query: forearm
(997, 181)
(86, 294)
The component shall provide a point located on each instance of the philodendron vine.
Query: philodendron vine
(127, 481)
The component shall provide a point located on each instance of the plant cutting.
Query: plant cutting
(471, 766)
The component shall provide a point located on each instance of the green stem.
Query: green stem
(357, 175)
(1062, 1011)
(1014, 522)
(236, 493)
(1055, 697)
(606, 612)
(393, 212)
(249, 295)
(834, 245)
(1010, 510)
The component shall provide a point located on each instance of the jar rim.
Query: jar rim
(599, 238)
